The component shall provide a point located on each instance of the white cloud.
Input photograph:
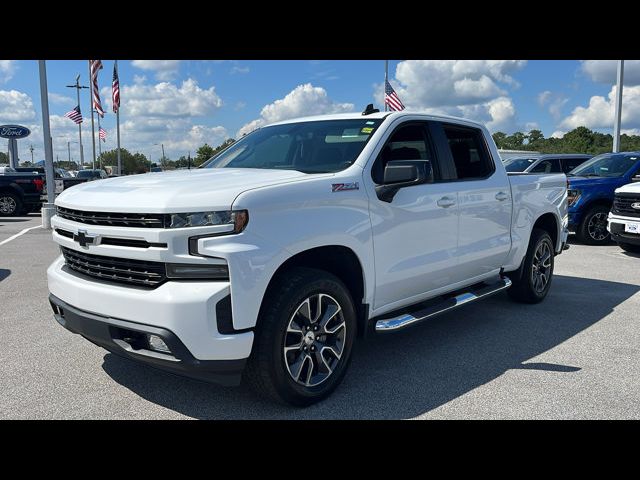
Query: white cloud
(166, 99)
(599, 113)
(302, 101)
(553, 101)
(238, 69)
(475, 89)
(605, 71)
(164, 69)
(440, 83)
(7, 69)
(558, 134)
(544, 97)
(58, 99)
(531, 126)
(16, 106)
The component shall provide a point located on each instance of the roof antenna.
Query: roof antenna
(369, 110)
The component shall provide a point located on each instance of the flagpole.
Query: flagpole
(93, 128)
(118, 126)
(99, 145)
(78, 87)
(386, 79)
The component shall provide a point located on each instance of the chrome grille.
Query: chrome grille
(622, 204)
(119, 270)
(144, 220)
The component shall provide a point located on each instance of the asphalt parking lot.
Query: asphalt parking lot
(575, 356)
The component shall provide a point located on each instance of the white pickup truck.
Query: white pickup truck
(270, 260)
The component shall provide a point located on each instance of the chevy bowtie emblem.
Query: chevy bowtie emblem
(83, 239)
(636, 205)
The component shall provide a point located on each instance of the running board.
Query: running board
(399, 322)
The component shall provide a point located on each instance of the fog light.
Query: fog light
(157, 344)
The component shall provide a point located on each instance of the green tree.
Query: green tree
(4, 158)
(131, 163)
(499, 138)
(204, 153)
(535, 139)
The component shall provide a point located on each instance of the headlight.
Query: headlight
(230, 221)
(194, 271)
(573, 196)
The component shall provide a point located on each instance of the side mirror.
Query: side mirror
(403, 173)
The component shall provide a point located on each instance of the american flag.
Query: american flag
(115, 90)
(391, 98)
(96, 65)
(102, 133)
(75, 115)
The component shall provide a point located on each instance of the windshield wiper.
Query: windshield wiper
(591, 175)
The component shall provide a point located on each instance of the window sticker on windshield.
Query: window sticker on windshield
(370, 123)
(367, 130)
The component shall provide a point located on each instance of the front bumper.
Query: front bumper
(185, 308)
(128, 339)
(615, 226)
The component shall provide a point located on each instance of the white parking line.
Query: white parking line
(18, 234)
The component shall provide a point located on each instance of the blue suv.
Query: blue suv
(591, 189)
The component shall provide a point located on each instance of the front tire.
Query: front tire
(627, 247)
(537, 270)
(304, 338)
(10, 205)
(593, 229)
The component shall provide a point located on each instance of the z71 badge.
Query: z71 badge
(341, 187)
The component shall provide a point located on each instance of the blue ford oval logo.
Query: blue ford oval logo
(14, 131)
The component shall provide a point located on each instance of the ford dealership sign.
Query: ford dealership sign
(14, 131)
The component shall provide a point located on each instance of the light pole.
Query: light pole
(162, 145)
(77, 86)
(618, 112)
(31, 149)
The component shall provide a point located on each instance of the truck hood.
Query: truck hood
(581, 183)
(199, 189)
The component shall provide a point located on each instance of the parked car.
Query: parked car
(92, 174)
(156, 169)
(591, 192)
(297, 238)
(552, 163)
(62, 178)
(623, 222)
(19, 192)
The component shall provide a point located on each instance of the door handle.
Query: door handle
(501, 196)
(446, 202)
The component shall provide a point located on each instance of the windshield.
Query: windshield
(87, 174)
(518, 164)
(606, 165)
(309, 147)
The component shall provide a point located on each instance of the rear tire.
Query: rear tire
(593, 229)
(537, 270)
(304, 338)
(10, 205)
(627, 247)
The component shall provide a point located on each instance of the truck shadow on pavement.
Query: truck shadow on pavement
(409, 373)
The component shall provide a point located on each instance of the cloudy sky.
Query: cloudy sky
(183, 104)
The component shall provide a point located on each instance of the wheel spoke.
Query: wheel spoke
(319, 328)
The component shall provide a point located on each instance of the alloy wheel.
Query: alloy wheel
(315, 339)
(597, 227)
(7, 205)
(541, 271)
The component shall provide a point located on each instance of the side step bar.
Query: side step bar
(399, 322)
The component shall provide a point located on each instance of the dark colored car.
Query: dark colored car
(591, 193)
(90, 174)
(20, 193)
(59, 174)
(551, 163)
